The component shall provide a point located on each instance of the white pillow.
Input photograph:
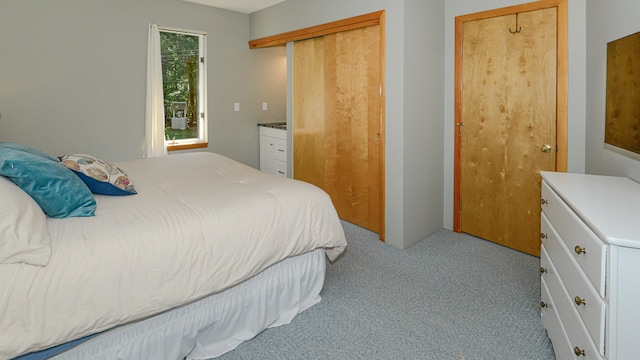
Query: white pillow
(24, 236)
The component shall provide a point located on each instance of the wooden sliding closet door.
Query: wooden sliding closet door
(336, 121)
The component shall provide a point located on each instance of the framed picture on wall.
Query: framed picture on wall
(622, 123)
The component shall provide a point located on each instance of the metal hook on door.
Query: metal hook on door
(518, 28)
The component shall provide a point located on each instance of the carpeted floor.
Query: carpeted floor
(451, 296)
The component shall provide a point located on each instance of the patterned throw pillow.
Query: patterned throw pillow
(100, 176)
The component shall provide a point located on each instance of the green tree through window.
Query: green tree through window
(182, 77)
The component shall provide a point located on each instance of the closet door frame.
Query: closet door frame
(561, 91)
(374, 18)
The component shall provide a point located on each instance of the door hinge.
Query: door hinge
(459, 125)
(461, 50)
(202, 59)
(201, 115)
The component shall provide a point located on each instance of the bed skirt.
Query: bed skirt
(218, 323)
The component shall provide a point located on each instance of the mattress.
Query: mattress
(200, 223)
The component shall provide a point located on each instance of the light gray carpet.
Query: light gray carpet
(451, 296)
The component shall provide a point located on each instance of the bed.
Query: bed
(204, 255)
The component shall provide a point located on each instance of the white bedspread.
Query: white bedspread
(199, 224)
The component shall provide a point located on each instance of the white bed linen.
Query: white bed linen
(182, 237)
(218, 323)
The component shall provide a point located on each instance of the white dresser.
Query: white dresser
(590, 265)
(273, 149)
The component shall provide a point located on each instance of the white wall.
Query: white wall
(608, 21)
(577, 55)
(72, 75)
(414, 82)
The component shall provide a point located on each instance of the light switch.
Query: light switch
(236, 106)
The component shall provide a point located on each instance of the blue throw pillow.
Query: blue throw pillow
(58, 191)
(26, 148)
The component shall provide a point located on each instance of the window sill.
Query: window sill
(187, 146)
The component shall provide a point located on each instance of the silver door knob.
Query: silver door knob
(546, 148)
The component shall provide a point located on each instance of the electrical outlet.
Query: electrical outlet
(236, 106)
(264, 106)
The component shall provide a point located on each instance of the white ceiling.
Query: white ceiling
(243, 6)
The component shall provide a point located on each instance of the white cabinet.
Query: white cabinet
(273, 150)
(590, 265)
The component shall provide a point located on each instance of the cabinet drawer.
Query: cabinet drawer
(281, 168)
(580, 289)
(586, 248)
(280, 148)
(576, 332)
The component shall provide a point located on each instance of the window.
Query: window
(184, 86)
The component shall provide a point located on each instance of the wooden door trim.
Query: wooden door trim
(356, 22)
(374, 18)
(561, 94)
(383, 111)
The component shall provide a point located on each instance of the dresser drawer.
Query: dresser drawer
(588, 251)
(586, 299)
(555, 330)
(576, 332)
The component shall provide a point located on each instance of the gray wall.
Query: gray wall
(72, 78)
(423, 149)
(419, 129)
(420, 95)
(72, 75)
(414, 79)
(608, 21)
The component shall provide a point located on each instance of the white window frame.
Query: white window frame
(203, 133)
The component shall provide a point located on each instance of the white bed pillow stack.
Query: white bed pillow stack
(24, 236)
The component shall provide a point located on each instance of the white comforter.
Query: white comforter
(199, 224)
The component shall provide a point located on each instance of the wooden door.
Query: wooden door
(507, 125)
(336, 121)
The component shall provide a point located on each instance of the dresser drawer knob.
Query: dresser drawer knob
(543, 304)
(543, 202)
(580, 250)
(580, 301)
(543, 270)
(578, 351)
(543, 236)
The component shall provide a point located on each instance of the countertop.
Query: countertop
(276, 125)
